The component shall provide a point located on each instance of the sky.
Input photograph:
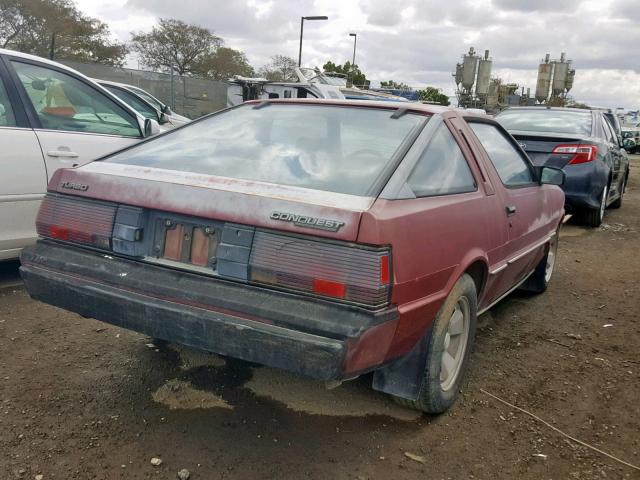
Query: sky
(420, 41)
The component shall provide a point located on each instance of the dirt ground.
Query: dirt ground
(83, 400)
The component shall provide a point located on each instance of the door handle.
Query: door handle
(511, 210)
(62, 154)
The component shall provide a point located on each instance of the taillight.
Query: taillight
(354, 274)
(69, 219)
(581, 153)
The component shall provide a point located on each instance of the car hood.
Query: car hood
(178, 119)
(245, 202)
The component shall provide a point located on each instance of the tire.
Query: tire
(541, 276)
(439, 388)
(593, 216)
(618, 202)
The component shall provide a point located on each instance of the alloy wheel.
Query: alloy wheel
(455, 344)
(603, 202)
(551, 258)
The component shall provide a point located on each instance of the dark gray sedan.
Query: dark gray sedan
(581, 142)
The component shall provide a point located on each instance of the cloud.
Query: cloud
(537, 5)
(420, 41)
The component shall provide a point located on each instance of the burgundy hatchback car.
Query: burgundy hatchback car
(327, 238)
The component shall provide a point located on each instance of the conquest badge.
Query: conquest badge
(308, 222)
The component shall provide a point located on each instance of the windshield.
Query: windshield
(148, 97)
(134, 102)
(546, 121)
(333, 80)
(332, 148)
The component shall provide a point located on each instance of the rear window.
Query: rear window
(337, 149)
(546, 121)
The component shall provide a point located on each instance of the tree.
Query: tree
(571, 103)
(280, 69)
(225, 63)
(175, 43)
(433, 95)
(57, 29)
(392, 85)
(12, 21)
(352, 72)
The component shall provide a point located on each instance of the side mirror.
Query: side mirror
(551, 176)
(166, 109)
(163, 118)
(151, 127)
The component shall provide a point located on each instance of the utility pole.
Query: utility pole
(52, 46)
(173, 93)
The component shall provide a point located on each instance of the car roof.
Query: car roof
(28, 56)
(554, 109)
(109, 82)
(60, 66)
(414, 106)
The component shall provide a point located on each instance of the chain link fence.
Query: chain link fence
(189, 96)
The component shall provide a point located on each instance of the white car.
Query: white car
(51, 117)
(310, 84)
(145, 104)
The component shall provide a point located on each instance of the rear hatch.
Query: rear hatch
(284, 237)
(540, 147)
(225, 199)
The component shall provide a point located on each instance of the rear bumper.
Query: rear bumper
(583, 184)
(304, 335)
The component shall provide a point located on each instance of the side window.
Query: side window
(608, 131)
(509, 163)
(7, 119)
(63, 102)
(442, 168)
(134, 102)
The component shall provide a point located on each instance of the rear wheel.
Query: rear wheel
(541, 276)
(593, 216)
(450, 345)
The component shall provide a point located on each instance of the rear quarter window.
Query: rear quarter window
(442, 168)
(513, 169)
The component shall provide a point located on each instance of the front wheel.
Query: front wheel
(593, 216)
(450, 344)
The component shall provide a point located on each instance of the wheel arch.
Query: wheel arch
(478, 270)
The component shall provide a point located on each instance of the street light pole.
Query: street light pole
(355, 40)
(353, 60)
(300, 49)
(302, 19)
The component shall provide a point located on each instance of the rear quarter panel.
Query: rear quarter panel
(433, 241)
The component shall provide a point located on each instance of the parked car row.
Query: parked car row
(52, 117)
(145, 104)
(327, 237)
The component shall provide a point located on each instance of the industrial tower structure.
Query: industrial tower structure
(555, 79)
